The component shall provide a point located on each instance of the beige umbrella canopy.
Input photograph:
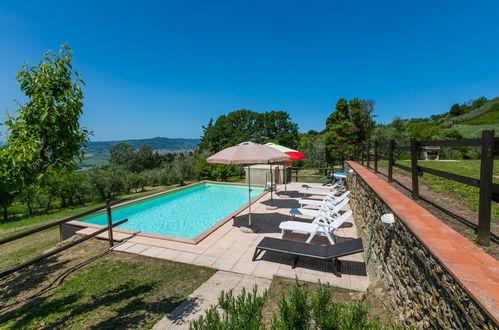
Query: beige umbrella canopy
(248, 153)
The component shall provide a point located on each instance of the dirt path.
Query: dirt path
(450, 203)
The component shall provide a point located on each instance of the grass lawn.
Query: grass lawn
(117, 290)
(21, 250)
(469, 168)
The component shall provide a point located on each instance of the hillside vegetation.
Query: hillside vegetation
(97, 153)
(471, 124)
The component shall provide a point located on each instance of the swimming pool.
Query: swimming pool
(185, 213)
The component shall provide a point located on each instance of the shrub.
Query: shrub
(241, 312)
(298, 309)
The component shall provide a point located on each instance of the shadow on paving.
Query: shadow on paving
(348, 267)
(289, 193)
(282, 203)
(266, 222)
(186, 308)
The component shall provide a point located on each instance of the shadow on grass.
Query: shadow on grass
(58, 312)
(25, 279)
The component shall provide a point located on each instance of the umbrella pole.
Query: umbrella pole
(249, 196)
(271, 186)
(285, 178)
(271, 206)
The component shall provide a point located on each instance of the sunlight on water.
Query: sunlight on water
(185, 213)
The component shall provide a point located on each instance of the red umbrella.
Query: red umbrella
(294, 154)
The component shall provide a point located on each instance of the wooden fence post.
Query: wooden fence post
(376, 156)
(486, 171)
(109, 223)
(414, 168)
(368, 156)
(390, 160)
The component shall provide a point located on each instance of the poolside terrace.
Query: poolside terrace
(229, 249)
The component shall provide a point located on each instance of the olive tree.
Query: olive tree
(44, 133)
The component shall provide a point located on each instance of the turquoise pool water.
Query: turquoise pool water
(186, 213)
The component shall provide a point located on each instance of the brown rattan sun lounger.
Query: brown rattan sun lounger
(299, 249)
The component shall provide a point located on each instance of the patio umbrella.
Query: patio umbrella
(293, 154)
(248, 153)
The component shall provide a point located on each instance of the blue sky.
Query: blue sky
(165, 68)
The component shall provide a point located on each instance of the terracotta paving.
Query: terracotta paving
(477, 272)
(229, 249)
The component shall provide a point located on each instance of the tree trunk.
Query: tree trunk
(30, 209)
(48, 204)
(5, 214)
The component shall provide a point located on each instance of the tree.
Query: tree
(423, 130)
(107, 181)
(479, 102)
(456, 110)
(122, 154)
(245, 125)
(350, 124)
(44, 133)
(276, 127)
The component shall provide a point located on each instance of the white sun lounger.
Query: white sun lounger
(323, 192)
(329, 200)
(320, 226)
(332, 212)
(307, 186)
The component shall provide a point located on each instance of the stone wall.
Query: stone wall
(409, 279)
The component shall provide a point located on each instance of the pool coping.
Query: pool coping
(194, 240)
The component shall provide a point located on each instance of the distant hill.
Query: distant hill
(97, 153)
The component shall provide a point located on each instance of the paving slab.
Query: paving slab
(207, 295)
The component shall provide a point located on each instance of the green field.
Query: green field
(469, 168)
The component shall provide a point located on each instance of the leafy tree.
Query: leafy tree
(313, 147)
(107, 181)
(44, 133)
(277, 127)
(424, 130)
(245, 125)
(361, 116)
(350, 124)
(479, 102)
(134, 181)
(122, 154)
(456, 110)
